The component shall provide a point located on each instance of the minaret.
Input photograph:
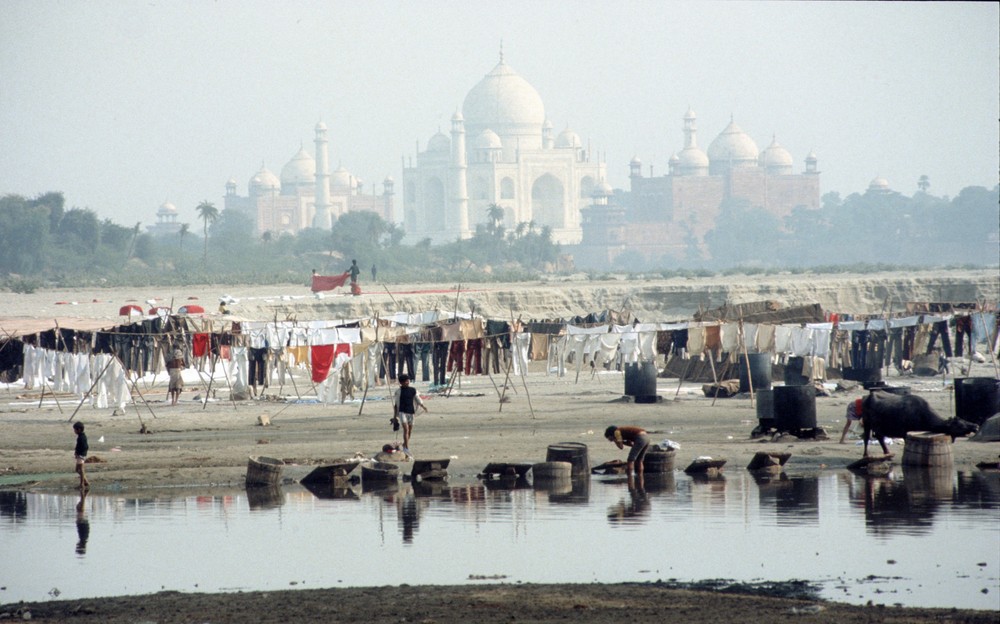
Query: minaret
(458, 216)
(322, 219)
(690, 129)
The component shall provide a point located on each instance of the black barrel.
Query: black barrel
(863, 375)
(573, 452)
(765, 409)
(793, 372)
(976, 398)
(794, 408)
(759, 371)
(881, 386)
(640, 381)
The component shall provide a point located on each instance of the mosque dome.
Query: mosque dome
(733, 147)
(488, 140)
(300, 170)
(568, 138)
(602, 189)
(167, 209)
(264, 180)
(506, 103)
(439, 143)
(776, 158)
(879, 184)
(635, 161)
(692, 158)
(342, 178)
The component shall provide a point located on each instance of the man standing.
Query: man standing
(355, 271)
(404, 407)
(175, 366)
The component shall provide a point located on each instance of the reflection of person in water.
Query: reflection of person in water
(410, 516)
(82, 524)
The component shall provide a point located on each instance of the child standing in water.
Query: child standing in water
(80, 453)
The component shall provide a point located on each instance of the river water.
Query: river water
(915, 538)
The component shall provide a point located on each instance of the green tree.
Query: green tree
(181, 233)
(79, 231)
(923, 183)
(207, 212)
(24, 235)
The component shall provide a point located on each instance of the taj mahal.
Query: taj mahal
(502, 149)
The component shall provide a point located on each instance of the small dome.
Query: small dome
(690, 114)
(231, 182)
(439, 143)
(602, 189)
(776, 158)
(264, 180)
(733, 146)
(300, 170)
(568, 138)
(635, 162)
(692, 158)
(321, 126)
(342, 178)
(811, 157)
(167, 208)
(547, 125)
(674, 159)
(457, 116)
(879, 184)
(488, 140)
(388, 180)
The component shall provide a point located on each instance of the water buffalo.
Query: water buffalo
(888, 415)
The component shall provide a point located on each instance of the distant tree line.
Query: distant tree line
(42, 242)
(871, 228)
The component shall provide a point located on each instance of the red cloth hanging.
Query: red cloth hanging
(322, 358)
(199, 345)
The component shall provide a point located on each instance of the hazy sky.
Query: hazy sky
(123, 105)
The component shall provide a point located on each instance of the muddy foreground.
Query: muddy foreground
(196, 447)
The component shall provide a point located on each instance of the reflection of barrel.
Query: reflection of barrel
(640, 381)
(263, 471)
(759, 371)
(658, 460)
(793, 371)
(265, 497)
(928, 483)
(573, 452)
(927, 449)
(794, 408)
(552, 471)
(976, 398)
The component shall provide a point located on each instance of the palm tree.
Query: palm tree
(185, 228)
(207, 212)
(494, 212)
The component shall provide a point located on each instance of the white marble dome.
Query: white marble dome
(342, 178)
(879, 184)
(167, 209)
(487, 139)
(264, 180)
(602, 189)
(733, 147)
(568, 138)
(439, 143)
(505, 102)
(299, 171)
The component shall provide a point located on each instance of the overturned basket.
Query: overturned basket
(263, 471)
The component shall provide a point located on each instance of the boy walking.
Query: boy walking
(404, 407)
(80, 454)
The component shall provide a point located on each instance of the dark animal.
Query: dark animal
(888, 415)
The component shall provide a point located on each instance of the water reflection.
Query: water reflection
(713, 526)
(82, 524)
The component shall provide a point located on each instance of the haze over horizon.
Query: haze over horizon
(123, 106)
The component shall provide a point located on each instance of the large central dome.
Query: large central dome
(507, 104)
